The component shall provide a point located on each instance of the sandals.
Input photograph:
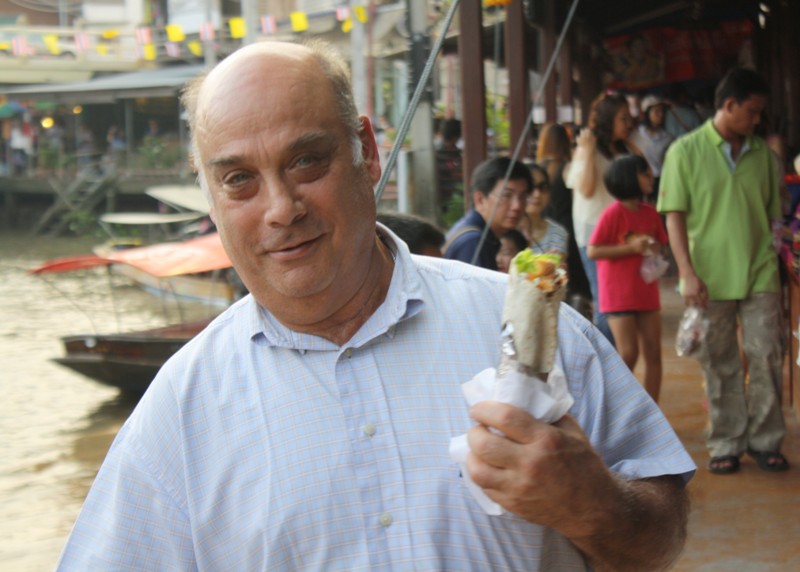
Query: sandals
(723, 464)
(771, 461)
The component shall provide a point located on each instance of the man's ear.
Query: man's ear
(369, 149)
(479, 201)
(729, 104)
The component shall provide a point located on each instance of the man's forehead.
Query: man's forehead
(754, 101)
(513, 185)
(254, 62)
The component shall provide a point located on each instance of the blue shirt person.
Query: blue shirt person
(307, 427)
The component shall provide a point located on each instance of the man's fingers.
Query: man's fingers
(513, 422)
(491, 448)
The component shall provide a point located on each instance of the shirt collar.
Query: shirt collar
(403, 301)
(751, 142)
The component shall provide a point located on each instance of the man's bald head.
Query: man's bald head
(321, 60)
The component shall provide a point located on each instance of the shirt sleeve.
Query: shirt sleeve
(673, 193)
(604, 231)
(625, 426)
(129, 521)
(661, 233)
(774, 209)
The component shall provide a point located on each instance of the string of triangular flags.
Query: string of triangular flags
(176, 37)
(237, 27)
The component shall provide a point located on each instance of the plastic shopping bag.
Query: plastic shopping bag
(653, 267)
(692, 331)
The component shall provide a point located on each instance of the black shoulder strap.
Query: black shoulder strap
(458, 234)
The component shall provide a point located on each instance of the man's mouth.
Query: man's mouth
(293, 251)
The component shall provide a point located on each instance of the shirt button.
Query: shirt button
(385, 519)
(348, 352)
(369, 429)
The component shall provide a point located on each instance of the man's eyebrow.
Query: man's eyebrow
(311, 139)
(298, 144)
(223, 161)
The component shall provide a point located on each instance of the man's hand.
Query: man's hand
(550, 475)
(695, 292)
(547, 474)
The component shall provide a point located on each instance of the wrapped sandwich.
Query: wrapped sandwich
(527, 376)
(537, 285)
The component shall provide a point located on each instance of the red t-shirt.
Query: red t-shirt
(619, 280)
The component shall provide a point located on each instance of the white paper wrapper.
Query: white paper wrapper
(547, 402)
(533, 316)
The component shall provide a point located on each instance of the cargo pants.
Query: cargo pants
(739, 417)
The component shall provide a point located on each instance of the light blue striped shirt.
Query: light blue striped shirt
(258, 448)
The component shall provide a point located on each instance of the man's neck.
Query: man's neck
(729, 136)
(734, 139)
(340, 326)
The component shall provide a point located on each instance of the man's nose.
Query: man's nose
(282, 204)
(517, 201)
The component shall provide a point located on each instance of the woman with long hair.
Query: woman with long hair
(607, 137)
(553, 153)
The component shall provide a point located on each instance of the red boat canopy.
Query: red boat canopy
(201, 254)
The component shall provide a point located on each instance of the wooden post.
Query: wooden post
(549, 34)
(517, 65)
(473, 125)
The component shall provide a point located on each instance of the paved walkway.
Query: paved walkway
(747, 521)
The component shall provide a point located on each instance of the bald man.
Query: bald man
(307, 428)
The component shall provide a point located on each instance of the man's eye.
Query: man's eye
(235, 179)
(305, 161)
(308, 168)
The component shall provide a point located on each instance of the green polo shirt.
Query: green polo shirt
(728, 211)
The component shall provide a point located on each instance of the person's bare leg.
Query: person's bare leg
(649, 326)
(625, 335)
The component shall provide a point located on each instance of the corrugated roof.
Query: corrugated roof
(149, 83)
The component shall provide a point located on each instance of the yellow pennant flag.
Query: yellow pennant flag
(101, 49)
(195, 47)
(238, 27)
(149, 52)
(347, 25)
(361, 14)
(299, 21)
(51, 41)
(175, 33)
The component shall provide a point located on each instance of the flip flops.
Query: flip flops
(723, 464)
(771, 461)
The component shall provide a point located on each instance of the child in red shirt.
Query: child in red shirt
(628, 230)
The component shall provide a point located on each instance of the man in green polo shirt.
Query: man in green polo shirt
(719, 190)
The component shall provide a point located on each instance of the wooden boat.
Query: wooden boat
(197, 269)
(127, 361)
(130, 360)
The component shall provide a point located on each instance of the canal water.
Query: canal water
(56, 425)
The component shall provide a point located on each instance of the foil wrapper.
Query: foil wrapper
(509, 360)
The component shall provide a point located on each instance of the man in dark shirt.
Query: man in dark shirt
(496, 200)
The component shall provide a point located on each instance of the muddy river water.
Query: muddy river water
(55, 425)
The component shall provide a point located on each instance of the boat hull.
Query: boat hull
(128, 361)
